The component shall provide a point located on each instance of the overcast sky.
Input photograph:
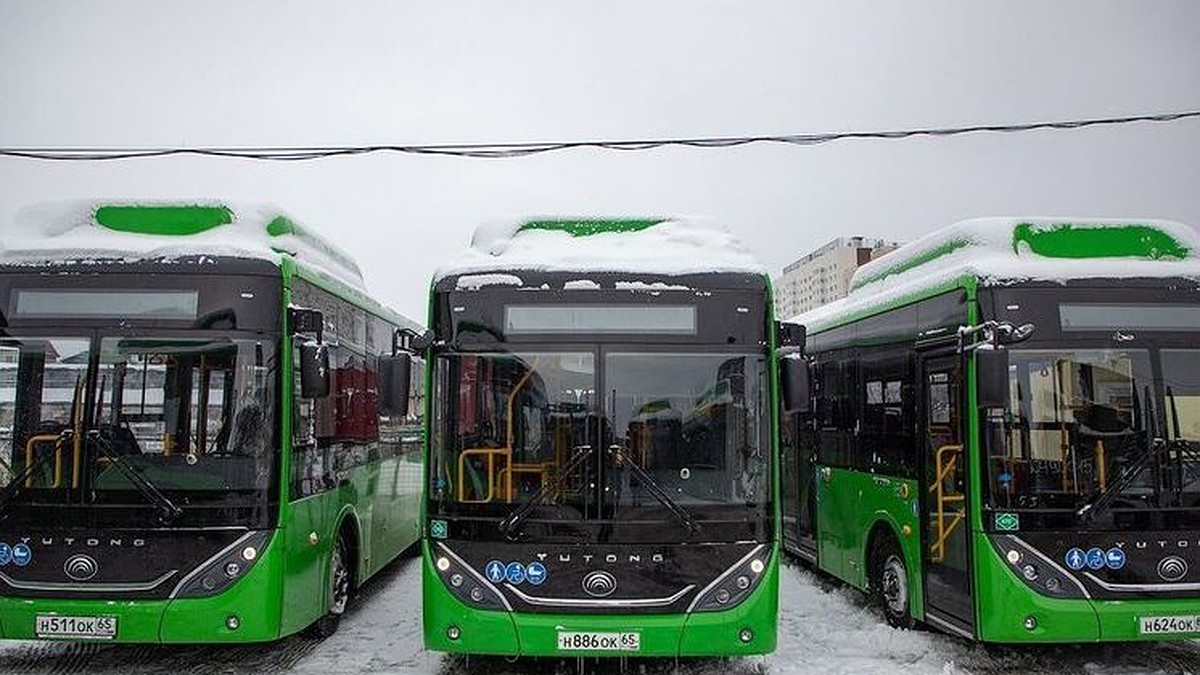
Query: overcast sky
(165, 73)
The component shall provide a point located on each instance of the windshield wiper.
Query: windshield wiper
(1103, 499)
(509, 526)
(656, 490)
(167, 510)
(17, 483)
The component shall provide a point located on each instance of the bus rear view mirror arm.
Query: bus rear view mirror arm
(993, 334)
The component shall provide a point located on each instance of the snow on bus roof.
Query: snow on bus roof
(1003, 250)
(95, 231)
(659, 246)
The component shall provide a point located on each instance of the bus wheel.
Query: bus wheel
(889, 582)
(339, 592)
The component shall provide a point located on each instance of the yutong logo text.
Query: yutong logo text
(610, 558)
(1160, 544)
(89, 541)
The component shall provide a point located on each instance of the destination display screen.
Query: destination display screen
(62, 303)
(1107, 317)
(600, 319)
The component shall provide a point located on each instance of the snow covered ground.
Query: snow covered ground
(824, 628)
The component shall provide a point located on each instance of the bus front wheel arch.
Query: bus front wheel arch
(888, 578)
(339, 582)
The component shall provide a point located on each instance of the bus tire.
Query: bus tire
(338, 590)
(889, 582)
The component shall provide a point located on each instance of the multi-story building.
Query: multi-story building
(824, 275)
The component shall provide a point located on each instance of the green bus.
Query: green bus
(997, 433)
(203, 426)
(601, 465)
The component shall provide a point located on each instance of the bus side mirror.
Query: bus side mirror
(790, 334)
(991, 378)
(794, 376)
(395, 374)
(314, 370)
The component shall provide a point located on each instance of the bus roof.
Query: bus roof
(84, 231)
(660, 246)
(997, 251)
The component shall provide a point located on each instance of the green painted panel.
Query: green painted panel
(282, 225)
(137, 620)
(587, 228)
(916, 261)
(306, 563)
(483, 632)
(502, 633)
(163, 220)
(1068, 240)
(254, 600)
(716, 633)
(1003, 601)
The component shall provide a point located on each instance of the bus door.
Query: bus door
(945, 535)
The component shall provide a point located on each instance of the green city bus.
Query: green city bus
(602, 474)
(997, 433)
(203, 426)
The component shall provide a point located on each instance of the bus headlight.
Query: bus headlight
(464, 582)
(735, 584)
(223, 569)
(1036, 569)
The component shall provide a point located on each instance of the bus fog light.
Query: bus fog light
(443, 564)
(757, 566)
(477, 594)
(456, 580)
(232, 569)
(232, 622)
(743, 582)
(722, 596)
(1052, 584)
(746, 635)
(453, 632)
(1030, 622)
(249, 553)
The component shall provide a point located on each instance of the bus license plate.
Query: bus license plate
(91, 627)
(599, 642)
(1165, 625)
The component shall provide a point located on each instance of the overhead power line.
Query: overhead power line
(509, 150)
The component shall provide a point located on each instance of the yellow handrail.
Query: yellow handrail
(504, 474)
(29, 457)
(937, 549)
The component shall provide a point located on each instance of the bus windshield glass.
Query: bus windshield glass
(92, 424)
(1090, 428)
(506, 426)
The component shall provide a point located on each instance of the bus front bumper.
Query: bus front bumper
(747, 629)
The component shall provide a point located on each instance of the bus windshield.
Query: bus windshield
(682, 428)
(171, 421)
(1095, 427)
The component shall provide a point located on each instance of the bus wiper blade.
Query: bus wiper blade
(1103, 499)
(509, 526)
(167, 510)
(656, 490)
(17, 483)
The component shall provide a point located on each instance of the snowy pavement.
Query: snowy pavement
(824, 628)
